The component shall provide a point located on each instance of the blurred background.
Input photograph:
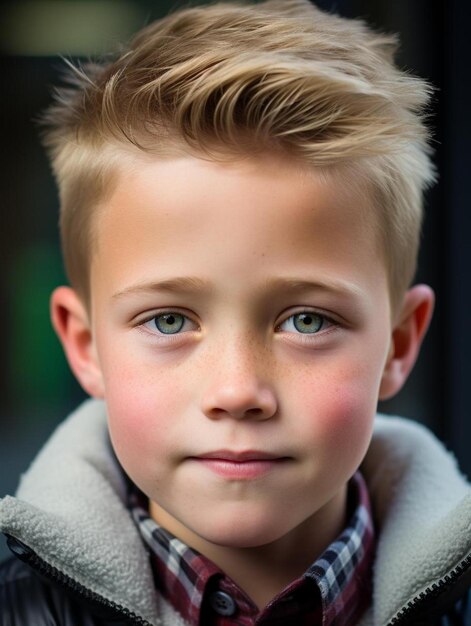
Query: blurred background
(36, 388)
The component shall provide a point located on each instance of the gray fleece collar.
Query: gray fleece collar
(422, 504)
(70, 509)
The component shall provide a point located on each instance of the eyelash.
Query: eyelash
(324, 320)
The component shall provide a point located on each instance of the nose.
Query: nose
(237, 389)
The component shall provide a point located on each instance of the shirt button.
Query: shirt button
(222, 603)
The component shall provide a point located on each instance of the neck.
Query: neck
(264, 571)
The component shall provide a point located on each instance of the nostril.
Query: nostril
(257, 402)
(255, 411)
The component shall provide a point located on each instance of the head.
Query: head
(241, 198)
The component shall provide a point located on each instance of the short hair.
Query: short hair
(234, 79)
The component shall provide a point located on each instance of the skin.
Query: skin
(240, 375)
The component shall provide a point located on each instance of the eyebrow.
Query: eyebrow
(334, 286)
(194, 285)
(180, 284)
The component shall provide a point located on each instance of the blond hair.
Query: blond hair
(237, 79)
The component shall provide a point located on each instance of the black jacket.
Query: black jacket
(25, 599)
(34, 595)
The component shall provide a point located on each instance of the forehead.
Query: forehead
(256, 217)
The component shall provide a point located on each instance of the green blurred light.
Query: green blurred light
(37, 373)
(68, 27)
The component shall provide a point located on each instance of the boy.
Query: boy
(241, 204)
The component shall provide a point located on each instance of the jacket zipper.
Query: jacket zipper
(437, 588)
(26, 554)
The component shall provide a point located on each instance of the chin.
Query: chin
(250, 539)
(242, 532)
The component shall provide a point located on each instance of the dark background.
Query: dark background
(36, 389)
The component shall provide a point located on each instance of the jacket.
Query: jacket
(80, 559)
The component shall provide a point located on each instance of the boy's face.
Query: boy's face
(241, 325)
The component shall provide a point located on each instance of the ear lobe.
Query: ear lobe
(71, 323)
(407, 336)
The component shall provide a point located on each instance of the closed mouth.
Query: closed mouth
(243, 465)
(241, 456)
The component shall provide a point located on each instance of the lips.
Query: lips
(240, 465)
(240, 457)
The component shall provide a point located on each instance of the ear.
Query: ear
(407, 335)
(72, 325)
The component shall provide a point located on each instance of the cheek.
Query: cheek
(342, 416)
(144, 407)
(338, 407)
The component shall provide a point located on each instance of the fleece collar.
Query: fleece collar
(422, 506)
(70, 508)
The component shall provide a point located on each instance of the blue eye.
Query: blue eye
(307, 323)
(169, 323)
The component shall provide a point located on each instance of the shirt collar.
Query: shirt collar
(337, 586)
(343, 571)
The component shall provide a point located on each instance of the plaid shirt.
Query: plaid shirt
(334, 591)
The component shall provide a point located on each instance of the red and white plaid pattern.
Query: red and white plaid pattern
(334, 591)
